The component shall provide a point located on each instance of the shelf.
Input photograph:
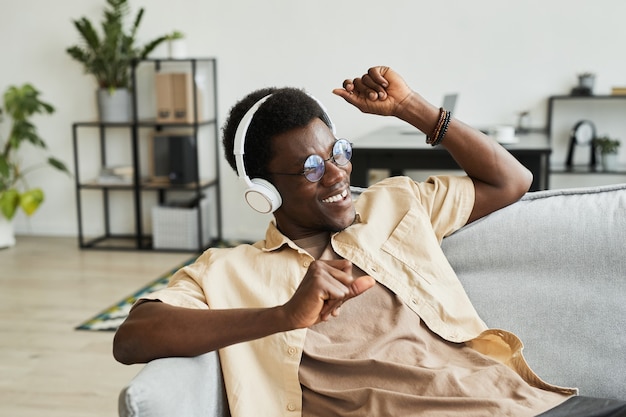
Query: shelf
(592, 97)
(154, 124)
(162, 185)
(148, 185)
(116, 242)
(175, 60)
(604, 111)
(129, 242)
(143, 123)
(552, 99)
(586, 169)
(134, 144)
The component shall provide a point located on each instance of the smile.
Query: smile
(336, 198)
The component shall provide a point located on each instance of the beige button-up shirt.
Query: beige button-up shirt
(396, 239)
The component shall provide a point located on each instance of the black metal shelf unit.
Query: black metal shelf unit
(553, 99)
(135, 190)
(561, 168)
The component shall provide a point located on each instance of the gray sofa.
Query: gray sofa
(551, 268)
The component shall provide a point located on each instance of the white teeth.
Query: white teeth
(336, 198)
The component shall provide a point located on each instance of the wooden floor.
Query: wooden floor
(47, 287)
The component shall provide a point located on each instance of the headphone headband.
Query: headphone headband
(240, 139)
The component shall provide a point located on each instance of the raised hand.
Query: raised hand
(381, 91)
(325, 287)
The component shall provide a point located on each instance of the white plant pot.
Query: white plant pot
(7, 234)
(608, 161)
(114, 106)
(177, 48)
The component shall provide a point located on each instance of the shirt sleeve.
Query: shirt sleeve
(183, 290)
(448, 200)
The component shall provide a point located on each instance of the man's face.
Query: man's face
(310, 207)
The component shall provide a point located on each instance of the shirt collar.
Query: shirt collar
(274, 239)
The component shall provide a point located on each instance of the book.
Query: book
(618, 91)
(115, 175)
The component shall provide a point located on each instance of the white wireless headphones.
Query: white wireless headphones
(261, 195)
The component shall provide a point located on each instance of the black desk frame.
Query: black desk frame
(399, 159)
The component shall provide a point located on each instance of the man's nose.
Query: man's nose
(332, 171)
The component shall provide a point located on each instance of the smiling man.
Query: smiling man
(346, 308)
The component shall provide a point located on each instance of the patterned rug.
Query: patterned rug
(112, 317)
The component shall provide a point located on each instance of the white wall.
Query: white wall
(503, 57)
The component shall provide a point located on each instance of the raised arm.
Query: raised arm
(499, 179)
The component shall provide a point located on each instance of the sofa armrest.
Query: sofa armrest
(176, 387)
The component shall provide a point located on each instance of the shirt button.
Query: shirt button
(291, 407)
(413, 300)
(306, 264)
(292, 351)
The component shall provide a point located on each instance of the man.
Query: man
(346, 309)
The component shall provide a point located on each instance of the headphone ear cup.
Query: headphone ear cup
(262, 196)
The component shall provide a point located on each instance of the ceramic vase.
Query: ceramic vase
(7, 234)
(608, 161)
(114, 106)
(177, 48)
(586, 81)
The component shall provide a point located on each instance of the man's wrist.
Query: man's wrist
(418, 112)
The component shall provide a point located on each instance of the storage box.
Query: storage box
(174, 98)
(177, 227)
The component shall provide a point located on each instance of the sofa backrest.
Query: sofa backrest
(552, 269)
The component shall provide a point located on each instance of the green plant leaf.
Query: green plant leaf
(176, 34)
(110, 56)
(20, 104)
(9, 200)
(607, 145)
(58, 165)
(4, 167)
(30, 200)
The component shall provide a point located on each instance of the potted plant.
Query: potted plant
(608, 148)
(586, 81)
(110, 56)
(176, 45)
(20, 104)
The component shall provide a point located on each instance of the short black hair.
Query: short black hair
(288, 108)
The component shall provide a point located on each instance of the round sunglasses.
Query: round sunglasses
(315, 165)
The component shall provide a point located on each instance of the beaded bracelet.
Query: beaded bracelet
(443, 130)
(440, 129)
(431, 138)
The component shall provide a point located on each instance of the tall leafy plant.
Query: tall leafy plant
(20, 104)
(109, 56)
